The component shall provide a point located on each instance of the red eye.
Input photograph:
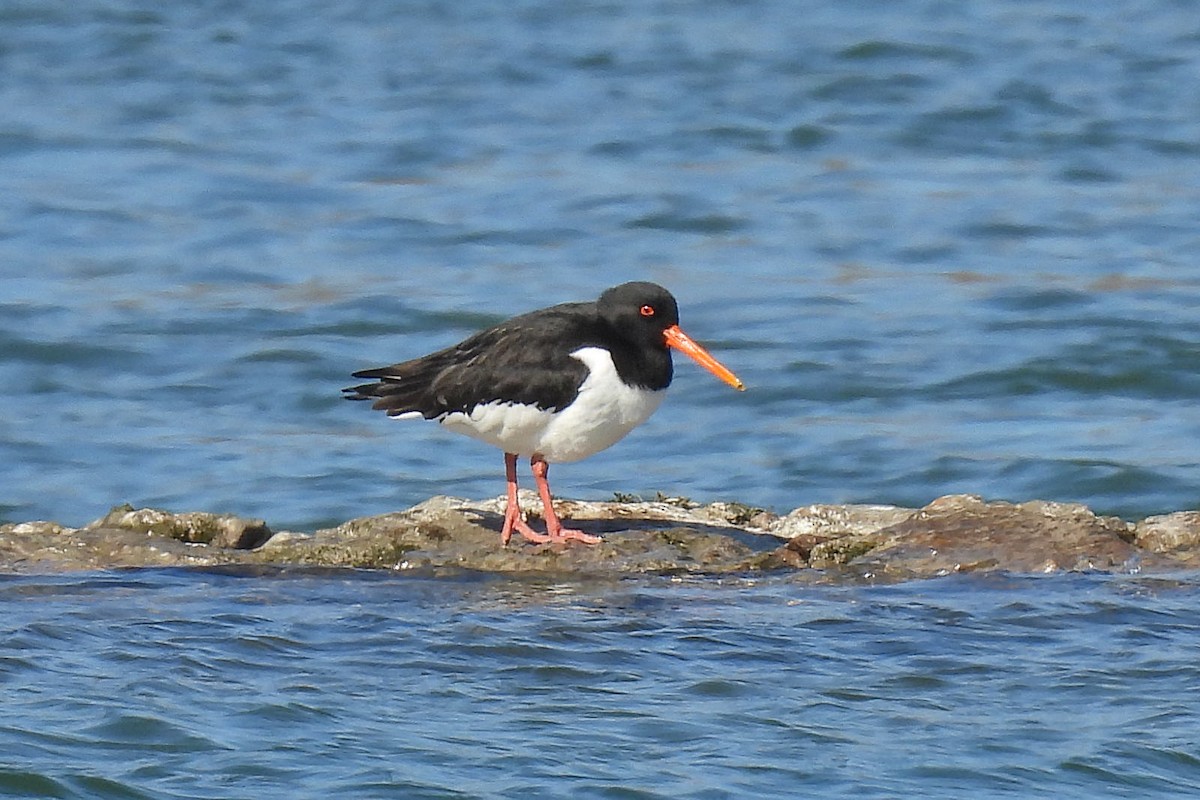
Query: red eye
(647, 310)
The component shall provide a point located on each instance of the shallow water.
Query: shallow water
(948, 246)
(184, 684)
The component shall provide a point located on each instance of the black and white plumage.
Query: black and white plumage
(558, 384)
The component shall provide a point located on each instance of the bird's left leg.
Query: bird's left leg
(554, 526)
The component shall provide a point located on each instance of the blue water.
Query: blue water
(948, 246)
(186, 685)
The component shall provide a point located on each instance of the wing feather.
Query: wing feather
(525, 360)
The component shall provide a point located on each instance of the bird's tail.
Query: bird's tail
(397, 395)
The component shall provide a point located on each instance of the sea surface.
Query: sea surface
(948, 246)
(175, 684)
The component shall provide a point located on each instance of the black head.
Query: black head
(640, 311)
(646, 317)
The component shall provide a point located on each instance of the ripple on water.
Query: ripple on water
(949, 247)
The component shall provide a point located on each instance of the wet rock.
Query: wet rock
(1176, 536)
(822, 536)
(450, 533)
(35, 529)
(666, 536)
(963, 533)
(49, 547)
(195, 527)
(831, 522)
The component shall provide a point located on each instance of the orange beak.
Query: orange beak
(682, 342)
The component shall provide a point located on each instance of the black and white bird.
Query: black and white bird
(557, 384)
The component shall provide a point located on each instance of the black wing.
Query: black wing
(526, 360)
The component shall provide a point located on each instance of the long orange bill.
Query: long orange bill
(684, 343)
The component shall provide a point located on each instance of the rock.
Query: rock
(963, 533)
(285, 537)
(1174, 535)
(36, 528)
(449, 533)
(823, 536)
(53, 548)
(833, 521)
(222, 530)
(667, 536)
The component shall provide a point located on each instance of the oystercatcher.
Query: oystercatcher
(558, 384)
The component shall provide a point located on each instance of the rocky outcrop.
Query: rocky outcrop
(670, 536)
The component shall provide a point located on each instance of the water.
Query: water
(186, 685)
(948, 246)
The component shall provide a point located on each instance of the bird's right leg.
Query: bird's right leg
(513, 518)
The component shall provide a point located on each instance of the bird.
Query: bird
(555, 385)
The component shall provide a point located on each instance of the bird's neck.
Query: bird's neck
(645, 369)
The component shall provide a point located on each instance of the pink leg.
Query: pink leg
(512, 510)
(554, 526)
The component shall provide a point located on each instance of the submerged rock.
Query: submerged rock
(671, 536)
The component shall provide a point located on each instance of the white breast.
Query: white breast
(605, 410)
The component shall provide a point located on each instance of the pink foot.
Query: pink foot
(554, 526)
(513, 519)
(514, 522)
(569, 534)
